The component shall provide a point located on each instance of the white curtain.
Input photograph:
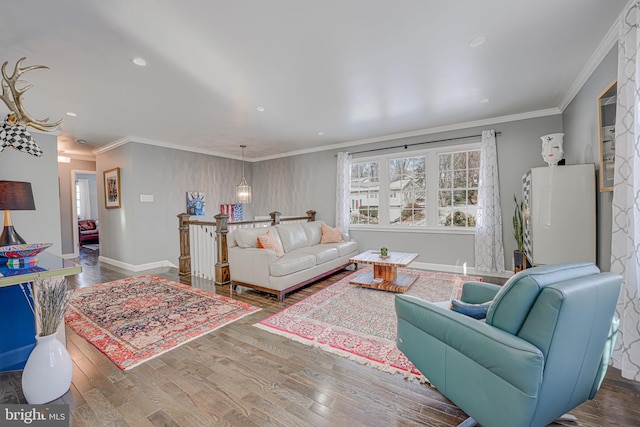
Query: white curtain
(625, 233)
(489, 250)
(83, 199)
(343, 185)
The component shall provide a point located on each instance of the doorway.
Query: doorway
(84, 208)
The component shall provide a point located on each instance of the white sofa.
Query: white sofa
(305, 259)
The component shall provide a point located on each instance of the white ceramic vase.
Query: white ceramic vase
(47, 374)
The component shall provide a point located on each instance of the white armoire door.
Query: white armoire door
(559, 209)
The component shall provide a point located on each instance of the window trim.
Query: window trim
(432, 172)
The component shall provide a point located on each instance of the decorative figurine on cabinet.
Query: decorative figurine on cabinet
(552, 149)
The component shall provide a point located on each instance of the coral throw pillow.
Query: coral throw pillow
(331, 235)
(269, 241)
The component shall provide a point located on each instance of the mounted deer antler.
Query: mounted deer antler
(13, 132)
(12, 96)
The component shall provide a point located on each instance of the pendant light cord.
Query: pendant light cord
(243, 147)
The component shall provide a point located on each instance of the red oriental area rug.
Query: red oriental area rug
(360, 323)
(136, 319)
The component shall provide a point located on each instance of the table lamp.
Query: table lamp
(14, 196)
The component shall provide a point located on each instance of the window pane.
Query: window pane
(472, 197)
(460, 179)
(459, 198)
(443, 214)
(444, 161)
(444, 198)
(460, 160)
(474, 159)
(446, 179)
(474, 177)
(471, 219)
(395, 170)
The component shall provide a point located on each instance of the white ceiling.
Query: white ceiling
(357, 70)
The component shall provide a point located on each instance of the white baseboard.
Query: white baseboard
(137, 268)
(458, 269)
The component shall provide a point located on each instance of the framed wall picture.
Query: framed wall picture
(195, 203)
(112, 188)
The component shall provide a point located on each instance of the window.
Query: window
(83, 202)
(458, 188)
(365, 193)
(78, 200)
(407, 191)
(435, 188)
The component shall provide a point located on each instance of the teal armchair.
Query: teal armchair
(542, 350)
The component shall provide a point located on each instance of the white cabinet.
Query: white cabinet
(559, 210)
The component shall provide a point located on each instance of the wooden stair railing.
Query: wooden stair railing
(222, 228)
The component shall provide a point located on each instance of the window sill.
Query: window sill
(407, 229)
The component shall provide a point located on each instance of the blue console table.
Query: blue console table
(17, 321)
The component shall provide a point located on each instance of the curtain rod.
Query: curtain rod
(405, 146)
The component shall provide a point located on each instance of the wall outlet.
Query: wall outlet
(146, 197)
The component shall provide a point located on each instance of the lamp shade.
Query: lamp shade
(243, 192)
(16, 196)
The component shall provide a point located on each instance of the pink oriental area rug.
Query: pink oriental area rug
(138, 318)
(360, 323)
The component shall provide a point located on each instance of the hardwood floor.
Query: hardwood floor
(240, 375)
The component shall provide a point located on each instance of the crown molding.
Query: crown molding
(165, 144)
(384, 138)
(85, 157)
(115, 144)
(422, 132)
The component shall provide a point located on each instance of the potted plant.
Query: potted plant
(47, 373)
(519, 257)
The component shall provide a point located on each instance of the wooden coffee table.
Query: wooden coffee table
(385, 274)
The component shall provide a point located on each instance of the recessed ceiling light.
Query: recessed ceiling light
(72, 114)
(477, 41)
(261, 109)
(81, 142)
(320, 133)
(484, 100)
(141, 62)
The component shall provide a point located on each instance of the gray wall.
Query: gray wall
(66, 205)
(118, 235)
(141, 232)
(581, 143)
(294, 185)
(43, 224)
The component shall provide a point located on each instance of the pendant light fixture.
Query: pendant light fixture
(243, 190)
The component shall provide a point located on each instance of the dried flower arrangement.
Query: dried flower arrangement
(53, 299)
